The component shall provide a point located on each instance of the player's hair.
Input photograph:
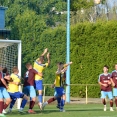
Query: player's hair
(106, 66)
(60, 63)
(15, 69)
(27, 65)
(115, 63)
(41, 58)
(5, 70)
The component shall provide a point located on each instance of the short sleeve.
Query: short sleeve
(99, 78)
(0, 75)
(34, 71)
(46, 64)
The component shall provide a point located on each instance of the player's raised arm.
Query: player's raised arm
(67, 64)
(48, 57)
(44, 52)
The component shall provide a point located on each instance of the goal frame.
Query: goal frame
(19, 59)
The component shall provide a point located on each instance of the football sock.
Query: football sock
(111, 104)
(1, 106)
(31, 105)
(12, 104)
(58, 101)
(51, 100)
(24, 101)
(104, 102)
(62, 103)
(40, 98)
(116, 102)
(5, 106)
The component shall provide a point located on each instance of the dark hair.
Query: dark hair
(41, 58)
(106, 66)
(60, 63)
(5, 70)
(27, 65)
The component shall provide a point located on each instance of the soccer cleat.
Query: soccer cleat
(43, 105)
(31, 112)
(21, 111)
(111, 109)
(62, 110)
(58, 106)
(4, 112)
(2, 115)
(9, 111)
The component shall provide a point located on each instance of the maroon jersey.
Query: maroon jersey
(114, 77)
(2, 76)
(104, 79)
(30, 77)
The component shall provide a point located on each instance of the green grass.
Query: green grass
(72, 110)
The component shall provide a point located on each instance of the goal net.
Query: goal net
(10, 55)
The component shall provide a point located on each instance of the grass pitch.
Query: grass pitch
(72, 110)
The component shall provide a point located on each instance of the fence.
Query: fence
(85, 85)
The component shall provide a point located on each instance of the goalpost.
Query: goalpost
(10, 55)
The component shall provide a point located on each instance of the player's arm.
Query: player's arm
(65, 65)
(38, 73)
(48, 57)
(44, 52)
(7, 77)
(113, 84)
(53, 85)
(101, 84)
(4, 82)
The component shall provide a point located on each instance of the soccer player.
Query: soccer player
(114, 79)
(13, 89)
(29, 86)
(106, 88)
(3, 93)
(39, 67)
(64, 82)
(59, 87)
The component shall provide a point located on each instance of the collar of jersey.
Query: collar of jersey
(39, 63)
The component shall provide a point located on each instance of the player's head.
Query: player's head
(116, 66)
(105, 68)
(60, 65)
(41, 59)
(15, 69)
(28, 66)
(5, 70)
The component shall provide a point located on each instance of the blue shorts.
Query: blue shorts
(104, 94)
(29, 91)
(59, 91)
(115, 92)
(16, 95)
(39, 84)
(4, 93)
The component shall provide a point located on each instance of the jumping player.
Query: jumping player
(39, 67)
(29, 86)
(106, 88)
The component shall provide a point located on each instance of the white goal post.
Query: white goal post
(10, 55)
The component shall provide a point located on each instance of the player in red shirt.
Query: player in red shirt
(29, 85)
(106, 88)
(114, 79)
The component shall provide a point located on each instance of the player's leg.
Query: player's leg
(39, 87)
(24, 100)
(58, 100)
(7, 98)
(62, 100)
(33, 99)
(1, 103)
(115, 95)
(110, 96)
(103, 96)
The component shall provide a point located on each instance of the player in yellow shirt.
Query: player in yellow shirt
(39, 66)
(14, 90)
(59, 86)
